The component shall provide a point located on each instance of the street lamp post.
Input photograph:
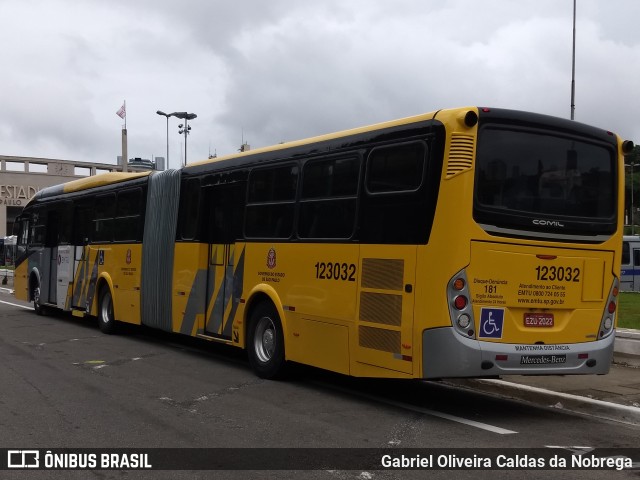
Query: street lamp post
(184, 129)
(160, 112)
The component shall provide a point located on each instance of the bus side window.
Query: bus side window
(38, 227)
(271, 202)
(23, 232)
(626, 253)
(223, 212)
(53, 222)
(66, 223)
(103, 222)
(189, 210)
(82, 223)
(328, 198)
(127, 224)
(636, 257)
(396, 202)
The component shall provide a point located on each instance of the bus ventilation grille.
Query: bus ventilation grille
(383, 274)
(378, 339)
(381, 308)
(385, 309)
(460, 154)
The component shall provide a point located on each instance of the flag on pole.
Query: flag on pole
(122, 113)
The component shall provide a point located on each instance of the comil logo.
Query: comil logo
(548, 223)
(23, 459)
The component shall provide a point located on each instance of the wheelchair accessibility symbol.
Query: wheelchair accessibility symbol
(491, 322)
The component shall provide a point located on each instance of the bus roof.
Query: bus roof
(329, 136)
(87, 183)
(434, 115)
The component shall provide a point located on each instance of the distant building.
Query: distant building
(144, 163)
(22, 177)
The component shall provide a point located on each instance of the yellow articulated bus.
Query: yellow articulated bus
(460, 243)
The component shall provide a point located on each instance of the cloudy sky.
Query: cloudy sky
(268, 71)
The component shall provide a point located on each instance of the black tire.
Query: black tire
(106, 318)
(265, 342)
(35, 295)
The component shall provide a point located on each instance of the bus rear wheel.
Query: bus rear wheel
(265, 342)
(106, 318)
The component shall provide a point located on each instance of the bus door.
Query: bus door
(385, 307)
(80, 267)
(48, 289)
(59, 226)
(64, 274)
(223, 226)
(80, 277)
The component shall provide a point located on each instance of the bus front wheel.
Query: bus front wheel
(106, 318)
(265, 342)
(35, 294)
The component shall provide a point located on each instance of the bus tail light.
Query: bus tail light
(459, 283)
(464, 321)
(608, 321)
(460, 310)
(460, 302)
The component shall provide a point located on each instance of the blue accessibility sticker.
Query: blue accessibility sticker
(491, 322)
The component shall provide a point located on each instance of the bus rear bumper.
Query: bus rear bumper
(447, 354)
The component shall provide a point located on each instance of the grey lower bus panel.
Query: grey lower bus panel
(446, 353)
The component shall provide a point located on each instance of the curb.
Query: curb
(626, 353)
(627, 347)
(551, 399)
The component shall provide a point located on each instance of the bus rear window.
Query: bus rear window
(539, 179)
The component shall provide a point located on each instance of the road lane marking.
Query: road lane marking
(424, 411)
(16, 305)
(446, 416)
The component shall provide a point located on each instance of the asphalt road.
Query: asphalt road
(66, 385)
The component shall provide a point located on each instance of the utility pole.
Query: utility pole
(573, 65)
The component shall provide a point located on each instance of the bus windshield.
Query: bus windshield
(537, 180)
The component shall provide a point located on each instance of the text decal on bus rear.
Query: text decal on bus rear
(548, 223)
(561, 274)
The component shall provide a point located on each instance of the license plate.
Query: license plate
(542, 359)
(544, 320)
